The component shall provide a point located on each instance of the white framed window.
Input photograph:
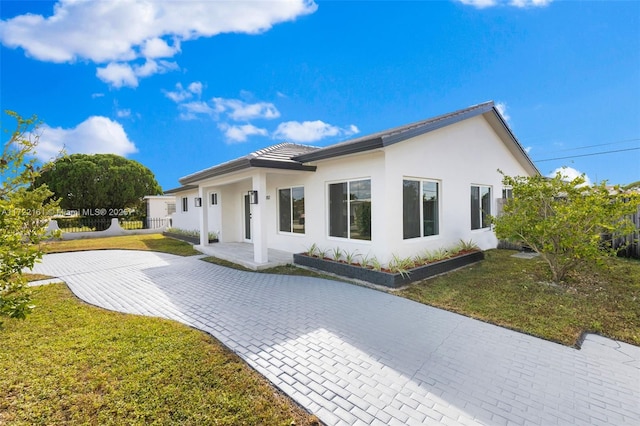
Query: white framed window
(420, 208)
(291, 210)
(185, 204)
(480, 206)
(507, 192)
(214, 199)
(350, 209)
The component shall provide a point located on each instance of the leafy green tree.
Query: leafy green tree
(24, 215)
(564, 220)
(99, 181)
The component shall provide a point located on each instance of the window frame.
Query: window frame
(291, 210)
(348, 183)
(421, 219)
(185, 204)
(214, 199)
(482, 215)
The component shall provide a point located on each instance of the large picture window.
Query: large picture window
(350, 209)
(291, 209)
(480, 206)
(420, 208)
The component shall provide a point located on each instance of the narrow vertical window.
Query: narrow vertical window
(185, 204)
(297, 210)
(284, 201)
(360, 210)
(430, 208)
(420, 208)
(338, 224)
(291, 210)
(214, 199)
(480, 207)
(411, 209)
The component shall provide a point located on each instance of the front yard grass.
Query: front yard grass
(150, 242)
(71, 363)
(516, 293)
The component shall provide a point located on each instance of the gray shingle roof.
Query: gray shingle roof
(394, 135)
(278, 156)
(295, 157)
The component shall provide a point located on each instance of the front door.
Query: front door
(247, 219)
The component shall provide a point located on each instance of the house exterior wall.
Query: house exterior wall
(459, 156)
(158, 206)
(189, 220)
(368, 165)
(467, 153)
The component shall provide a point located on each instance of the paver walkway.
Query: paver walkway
(355, 356)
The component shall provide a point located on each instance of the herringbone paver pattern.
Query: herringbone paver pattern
(355, 356)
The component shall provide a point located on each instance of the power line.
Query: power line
(587, 155)
(593, 146)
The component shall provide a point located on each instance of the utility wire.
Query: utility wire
(588, 155)
(593, 146)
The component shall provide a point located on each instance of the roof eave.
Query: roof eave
(180, 189)
(283, 165)
(429, 127)
(234, 166)
(340, 150)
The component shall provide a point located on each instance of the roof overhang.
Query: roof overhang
(183, 188)
(243, 164)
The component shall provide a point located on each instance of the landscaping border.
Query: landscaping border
(385, 278)
(193, 240)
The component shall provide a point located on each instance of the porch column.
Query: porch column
(259, 218)
(204, 217)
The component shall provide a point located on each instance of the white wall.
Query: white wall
(158, 206)
(189, 220)
(368, 165)
(458, 156)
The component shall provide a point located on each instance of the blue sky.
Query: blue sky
(183, 85)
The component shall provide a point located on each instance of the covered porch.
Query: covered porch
(243, 254)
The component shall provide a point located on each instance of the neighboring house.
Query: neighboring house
(421, 186)
(185, 215)
(160, 206)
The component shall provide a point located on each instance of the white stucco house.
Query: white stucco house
(421, 186)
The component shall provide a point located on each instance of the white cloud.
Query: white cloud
(529, 3)
(118, 32)
(95, 135)
(97, 95)
(182, 94)
(118, 75)
(158, 48)
(310, 131)
(123, 74)
(190, 110)
(240, 133)
(238, 110)
(123, 113)
(569, 173)
(502, 109)
(195, 88)
(482, 4)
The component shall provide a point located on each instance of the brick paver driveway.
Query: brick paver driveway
(356, 356)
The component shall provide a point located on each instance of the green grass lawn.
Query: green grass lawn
(71, 363)
(152, 242)
(516, 293)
